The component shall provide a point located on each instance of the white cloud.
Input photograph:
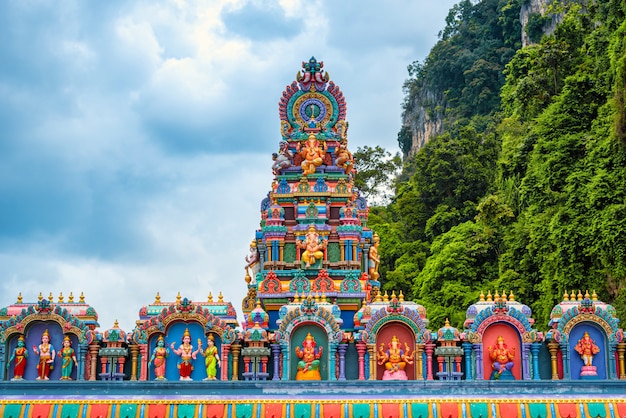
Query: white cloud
(137, 137)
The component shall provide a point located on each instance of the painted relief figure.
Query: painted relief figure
(19, 356)
(187, 355)
(46, 354)
(309, 365)
(395, 359)
(211, 359)
(68, 359)
(159, 358)
(502, 358)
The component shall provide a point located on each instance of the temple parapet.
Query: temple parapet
(47, 340)
(584, 339)
(500, 342)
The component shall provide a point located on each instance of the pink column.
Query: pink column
(361, 348)
(224, 361)
(429, 360)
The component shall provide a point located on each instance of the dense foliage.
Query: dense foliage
(526, 189)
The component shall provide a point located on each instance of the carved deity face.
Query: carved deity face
(45, 339)
(160, 343)
(66, 343)
(21, 343)
(210, 342)
(186, 339)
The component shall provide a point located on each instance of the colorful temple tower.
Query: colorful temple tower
(313, 264)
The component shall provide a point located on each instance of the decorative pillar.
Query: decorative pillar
(285, 354)
(342, 243)
(93, 352)
(342, 361)
(264, 368)
(134, 353)
(525, 361)
(621, 349)
(3, 366)
(82, 353)
(331, 357)
(224, 360)
(143, 351)
(565, 359)
(276, 357)
(430, 347)
(478, 349)
(371, 348)
(281, 250)
(236, 350)
(553, 348)
(612, 369)
(361, 349)
(534, 349)
(467, 350)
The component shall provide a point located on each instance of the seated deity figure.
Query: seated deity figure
(312, 153)
(343, 157)
(187, 354)
(282, 159)
(68, 359)
(19, 355)
(309, 365)
(159, 358)
(395, 359)
(46, 354)
(587, 348)
(313, 247)
(502, 358)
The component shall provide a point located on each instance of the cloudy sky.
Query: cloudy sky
(136, 137)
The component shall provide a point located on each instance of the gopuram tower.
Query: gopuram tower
(313, 262)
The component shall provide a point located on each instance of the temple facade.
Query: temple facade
(314, 311)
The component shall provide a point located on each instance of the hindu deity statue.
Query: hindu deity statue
(313, 247)
(502, 358)
(253, 266)
(211, 359)
(46, 354)
(309, 365)
(343, 157)
(395, 359)
(587, 348)
(282, 159)
(19, 355)
(374, 258)
(68, 359)
(312, 152)
(159, 358)
(187, 355)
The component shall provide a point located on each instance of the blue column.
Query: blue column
(342, 361)
(565, 354)
(478, 349)
(331, 364)
(534, 349)
(276, 357)
(286, 370)
(82, 353)
(3, 365)
(611, 372)
(467, 351)
(525, 361)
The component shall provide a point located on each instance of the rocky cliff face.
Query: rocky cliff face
(425, 110)
(424, 118)
(536, 7)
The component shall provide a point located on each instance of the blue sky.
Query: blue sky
(136, 137)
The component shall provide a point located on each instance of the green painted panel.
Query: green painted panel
(69, 411)
(420, 410)
(361, 410)
(478, 410)
(243, 410)
(127, 410)
(597, 410)
(538, 410)
(302, 411)
(186, 411)
(12, 411)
